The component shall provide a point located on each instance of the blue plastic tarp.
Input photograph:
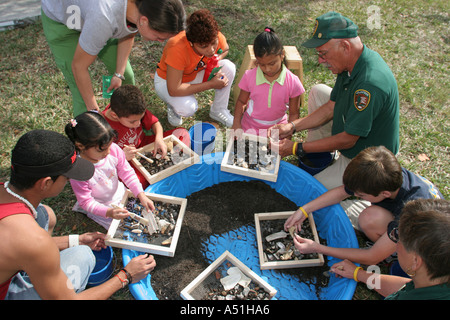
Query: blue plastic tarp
(295, 184)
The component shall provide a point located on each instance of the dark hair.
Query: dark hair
(37, 148)
(202, 28)
(424, 228)
(267, 43)
(372, 171)
(166, 16)
(91, 130)
(128, 100)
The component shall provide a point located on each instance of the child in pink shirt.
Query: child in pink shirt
(93, 137)
(268, 90)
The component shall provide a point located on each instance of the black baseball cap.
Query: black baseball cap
(68, 164)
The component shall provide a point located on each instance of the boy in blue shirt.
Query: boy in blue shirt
(376, 176)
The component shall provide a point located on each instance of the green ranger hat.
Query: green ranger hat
(331, 25)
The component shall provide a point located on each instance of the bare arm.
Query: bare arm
(50, 281)
(329, 198)
(387, 284)
(224, 52)
(139, 267)
(381, 249)
(340, 141)
(239, 108)
(38, 255)
(319, 117)
(160, 146)
(94, 240)
(80, 68)
(294, 107)
(123, 52)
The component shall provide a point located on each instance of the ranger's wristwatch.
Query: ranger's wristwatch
(299, 152)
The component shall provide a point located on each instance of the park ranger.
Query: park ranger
(361, 110)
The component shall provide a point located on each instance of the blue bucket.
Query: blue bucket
(315, 162)
(103, 266)
(202, 135)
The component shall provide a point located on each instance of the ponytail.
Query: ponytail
(267, 43)
(90, 129)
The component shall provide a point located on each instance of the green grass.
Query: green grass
(413, 39)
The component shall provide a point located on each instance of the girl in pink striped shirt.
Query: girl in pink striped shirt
(93, 138)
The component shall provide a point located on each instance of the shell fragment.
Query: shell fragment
(235, 276)
(276, 236)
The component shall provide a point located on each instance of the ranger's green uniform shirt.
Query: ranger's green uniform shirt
(367, 104)
(409, 292)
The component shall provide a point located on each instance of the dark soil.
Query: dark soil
(216, 210)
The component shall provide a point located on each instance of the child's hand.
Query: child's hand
(146, 202)
(160, 147)
(344, 268)
(219, 81)
(117, 213)
(305, 245)
(115, 83)
(296, 219)
(236, 130)
(130, 152)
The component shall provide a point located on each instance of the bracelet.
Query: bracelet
(74, 240)
(294, 148)
(118, 75)
(293, 126)
(355, 273)
(304, 212)
(124, 282)
(129, 278)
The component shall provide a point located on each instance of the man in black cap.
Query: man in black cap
(361, 110)
(33, 264)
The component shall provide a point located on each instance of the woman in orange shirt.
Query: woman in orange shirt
(181, 69)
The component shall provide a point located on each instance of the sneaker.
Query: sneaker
(174, 119)
(223, 116)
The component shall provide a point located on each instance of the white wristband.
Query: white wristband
(74, 240)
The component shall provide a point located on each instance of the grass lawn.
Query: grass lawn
(412, 37)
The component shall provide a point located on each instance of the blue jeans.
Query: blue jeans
(76, 262)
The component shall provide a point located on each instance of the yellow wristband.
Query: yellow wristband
(355, 273)
(294, 148)
(304, 212)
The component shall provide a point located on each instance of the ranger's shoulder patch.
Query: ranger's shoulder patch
(361, 99)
